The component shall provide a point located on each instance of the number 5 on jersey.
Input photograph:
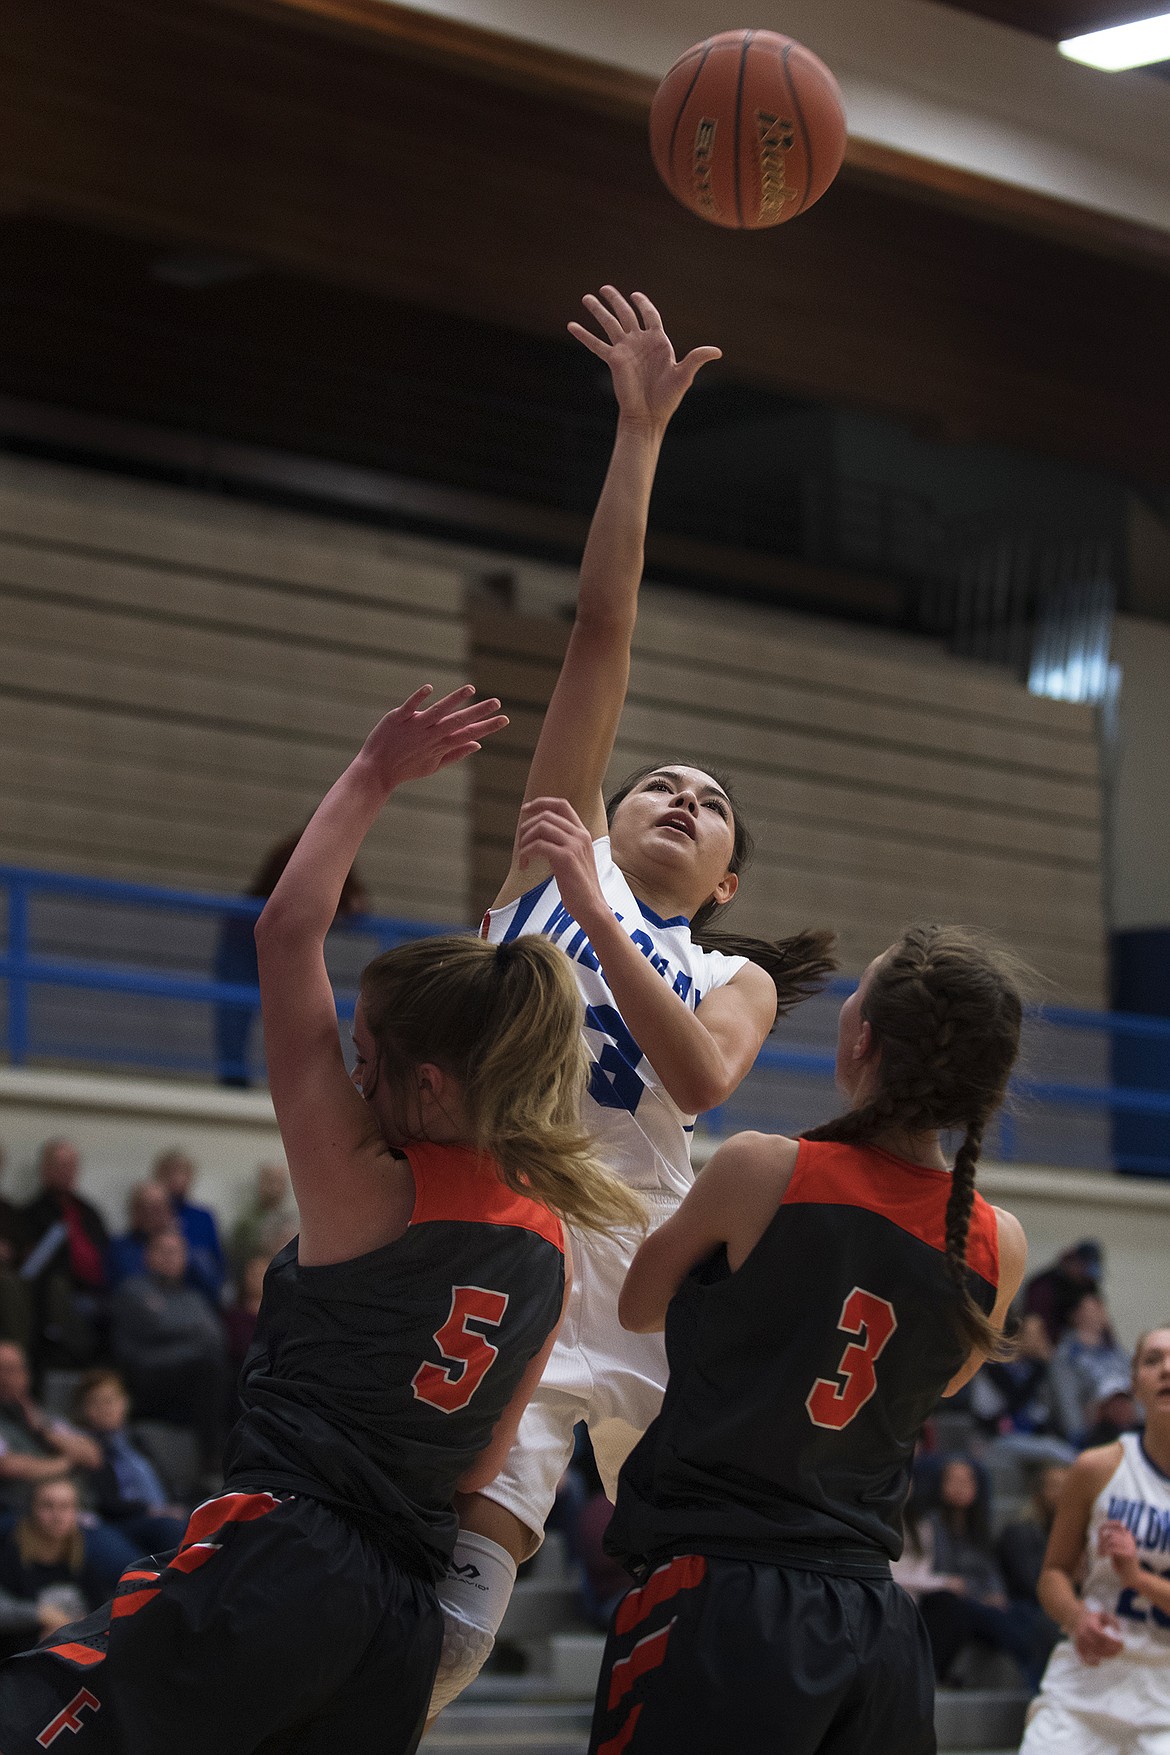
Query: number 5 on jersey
(469, 1354)
(834, 1404)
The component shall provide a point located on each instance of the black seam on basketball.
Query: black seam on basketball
(799, 114)
(686, 100)
(743, 52)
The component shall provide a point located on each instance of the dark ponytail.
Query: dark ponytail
(945, 1008)
(800, 965)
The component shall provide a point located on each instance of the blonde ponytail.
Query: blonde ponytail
(506, 1021)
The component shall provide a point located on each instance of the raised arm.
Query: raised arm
(1093, 1631)
(577, 737)
(700, 1056)
(336, 1154)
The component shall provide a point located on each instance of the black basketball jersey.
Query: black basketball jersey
(799, 1384)
(372, 1384)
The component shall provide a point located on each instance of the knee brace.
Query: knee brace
(473, 1598)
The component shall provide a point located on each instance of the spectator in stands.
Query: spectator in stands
(949, 1567)
(1086, 1359)
(64, 1265)
(9, 1225)
(235, 958)
(174, 1171)
(15, 1313)
(1021, 1545)
(35, 1449)
(150, 1212)
(49, 1548)
(171, 1347)
(1117, 1411)
(25, 1621)
(269, 1220)
(33, 1446)
(126, 1490)
(1012, 1398)
(1053, 1293)
(240, 1316)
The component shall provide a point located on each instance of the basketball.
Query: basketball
(748, 129)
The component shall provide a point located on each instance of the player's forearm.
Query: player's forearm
(646, 1291)
(304, 902)
(687, 1059)
(1150, 1585)
(611, 566)
(1057, 1598)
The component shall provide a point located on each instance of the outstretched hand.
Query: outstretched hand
(553, 834)
(416, 740)
(1116, 1543)
(647, 379)
(1095, 1636)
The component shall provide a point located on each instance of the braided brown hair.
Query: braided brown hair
(799, 965)
(944, 1005)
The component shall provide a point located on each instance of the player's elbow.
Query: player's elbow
(637, 1313)
(702, 1088)
(280, 923)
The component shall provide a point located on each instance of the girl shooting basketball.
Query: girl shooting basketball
(398, 1337)
(819, 1295)
(675, 1013)
(1106, 1583)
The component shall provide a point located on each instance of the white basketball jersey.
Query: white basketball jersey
(1134, 1686)
(641, 1131)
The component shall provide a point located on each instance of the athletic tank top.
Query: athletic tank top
(639, 1129)
(373, 1383)
(1133, 1687)
(1137, 1494)
(799, 1384)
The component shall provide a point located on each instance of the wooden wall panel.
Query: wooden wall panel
(182, 677)
(883, 783)
(346, 157)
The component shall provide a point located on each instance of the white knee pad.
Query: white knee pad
(473, 1597)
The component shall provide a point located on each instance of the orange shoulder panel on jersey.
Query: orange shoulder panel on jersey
(911, 1196)
(458, 1184)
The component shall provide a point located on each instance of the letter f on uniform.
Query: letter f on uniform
(70, 1718)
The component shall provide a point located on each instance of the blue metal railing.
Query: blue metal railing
(1078, 1114)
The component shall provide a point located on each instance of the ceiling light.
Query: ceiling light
(1122, 45)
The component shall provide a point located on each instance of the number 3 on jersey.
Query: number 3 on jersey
(469, 1354)
(835, 1404)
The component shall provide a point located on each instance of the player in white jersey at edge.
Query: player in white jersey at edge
(673, 1023)
(1106, 1690)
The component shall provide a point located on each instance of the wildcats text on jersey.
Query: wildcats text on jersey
(643, 1133)
(1149, 1525)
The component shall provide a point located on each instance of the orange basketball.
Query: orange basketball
(748, 129)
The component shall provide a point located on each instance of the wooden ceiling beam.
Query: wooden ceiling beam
(616, 91)
(211, 122)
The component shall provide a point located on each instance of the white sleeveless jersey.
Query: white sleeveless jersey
(1133, 1687)
(640, 1130)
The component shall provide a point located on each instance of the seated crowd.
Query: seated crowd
(139, 1337)
(151, 1326)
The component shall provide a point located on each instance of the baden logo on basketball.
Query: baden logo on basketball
(776, 136)
(701, 165)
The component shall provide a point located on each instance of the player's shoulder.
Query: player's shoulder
(1090, 1471)
(758, 1157)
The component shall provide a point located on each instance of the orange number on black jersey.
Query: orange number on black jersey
(835, 1404)
(470, 1355)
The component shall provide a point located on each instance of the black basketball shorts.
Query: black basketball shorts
(276, 1626)
(736, 1657)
